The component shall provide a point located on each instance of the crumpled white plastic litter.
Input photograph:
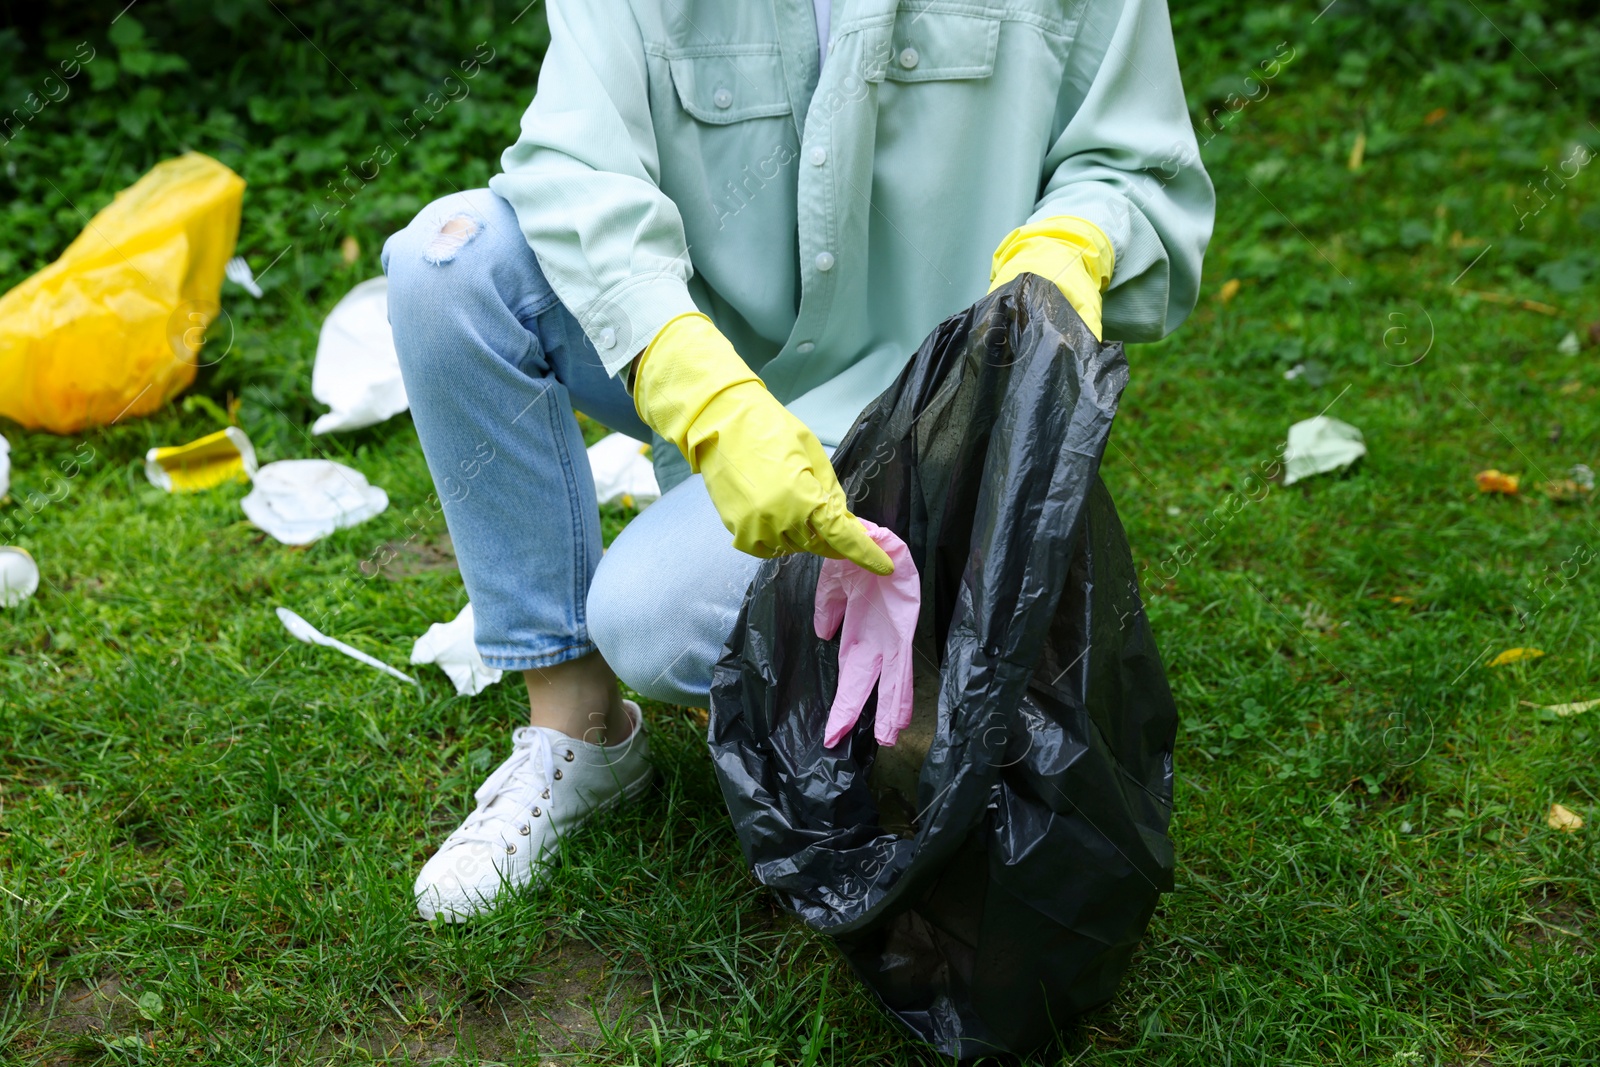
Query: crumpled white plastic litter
(622, 469)
(301, 630)
(452, 646)
(5, 466)
(301, 500)
(357, 372)
(19, 576)
(1319, 445)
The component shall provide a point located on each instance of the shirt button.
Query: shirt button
(819, 156)
(608, 338)
(824, 261)
(908, 58)
(722, 98)
(805, 348)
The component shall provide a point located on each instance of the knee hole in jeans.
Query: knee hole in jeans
(456, 232)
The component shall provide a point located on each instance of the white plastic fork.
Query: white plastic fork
(301, 630)
(238, 272)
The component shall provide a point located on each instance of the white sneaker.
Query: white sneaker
(551, 785)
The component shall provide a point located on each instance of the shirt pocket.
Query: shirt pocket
(730, 83)
(933, 45)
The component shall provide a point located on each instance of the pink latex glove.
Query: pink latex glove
(879, 613)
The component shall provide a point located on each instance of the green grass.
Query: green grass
(208, 832)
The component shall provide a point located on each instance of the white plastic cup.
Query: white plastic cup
(19, 576)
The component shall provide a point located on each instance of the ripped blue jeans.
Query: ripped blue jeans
(494, 365)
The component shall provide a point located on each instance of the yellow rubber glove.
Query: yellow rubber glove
(1072, 252)
(766, 471)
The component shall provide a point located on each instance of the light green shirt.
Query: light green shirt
(685, 154)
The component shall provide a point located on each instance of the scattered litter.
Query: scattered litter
(19, 576)
(224, 456)
(1515, 655)
(1564, 819)
(240, 274)
(1566, 490)
(623, 473)
(1319, 445)
(300, 500)
(1569, 345)
(1314, 617)
(1563, 710)
(349, 250)
(1493, 481)
(357, 372)
(1581, 474)
(1229, 290)
(301, 630)
(5, 466)
(116, 327)
(452, 645)
(1313, 371)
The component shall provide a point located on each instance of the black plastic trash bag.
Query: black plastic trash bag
(991, 874)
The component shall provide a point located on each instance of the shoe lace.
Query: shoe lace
(521, 779)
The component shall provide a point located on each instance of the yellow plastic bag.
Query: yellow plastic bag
(117, 326)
